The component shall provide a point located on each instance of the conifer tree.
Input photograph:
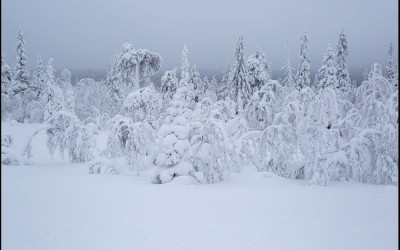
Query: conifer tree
(258, 70)
(113, 82)
(223, 91)
(343, 74)
(39, 78)
(391, 72)
(185, 74)
(55, 98)
(21, 73)
(328, 72)
(303, 71)
(239, 86)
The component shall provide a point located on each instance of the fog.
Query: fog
(86, 34)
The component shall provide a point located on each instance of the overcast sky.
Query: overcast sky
(85, 34)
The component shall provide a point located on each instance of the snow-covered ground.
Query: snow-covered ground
(56, 205)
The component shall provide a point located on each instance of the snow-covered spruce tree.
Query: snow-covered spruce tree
(197, 84)
(68, 91)
(21, 73)
(303, 71)
(223, 90)
(238, 85)
(6, 76)
(343, 75)
(173, 157)
(169, 84)
(289, 77)
(391, 72)
(6, 90)
(55, 99)
(258, 70)
(114, 82)
(64, 81)
(144, 104)
(206, 85)
(37, 93)
(212, 88)
(39, 78)
(137, 64)
(212, 152)
(328, 72)
(185, 73)
(80, 143)
(315, 85)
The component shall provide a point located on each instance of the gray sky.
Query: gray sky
(85, 34)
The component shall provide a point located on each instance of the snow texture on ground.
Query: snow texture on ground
(53, 204)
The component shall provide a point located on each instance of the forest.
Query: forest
(323, 128)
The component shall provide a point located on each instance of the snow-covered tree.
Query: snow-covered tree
(197, 84)
(211, 91)
(391, 72)
(68, 91)
(56, 138)
(35, 95)
(92, 103)
(258, 70)
(173, 157)
(223, 91)
(343, 75)
(263, 105)
(6, 90)
(169, 85)
(21, 73)
(212, 152)
(238, 85)
(303, 71)
(328, 72)
(6, 77)
(137, 64)
(114, 82)
(206, 85)
(323, 110)
(39, 78)
(289, 80)
(131, 140)
(55, 99)
(80, 143)
(185, 73)
(144, 104)
(279, 151)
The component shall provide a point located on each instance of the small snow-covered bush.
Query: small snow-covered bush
(131, 140)
(56, 138)
(8, 155)
(80, 143)
(103, 166)
(279, 151)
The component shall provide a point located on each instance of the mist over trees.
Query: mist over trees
(329, 128)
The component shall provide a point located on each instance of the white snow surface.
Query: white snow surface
(53, 204)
